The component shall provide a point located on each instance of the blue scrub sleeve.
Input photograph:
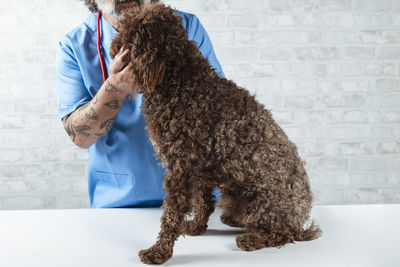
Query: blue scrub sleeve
(71, 91)
(200, 36)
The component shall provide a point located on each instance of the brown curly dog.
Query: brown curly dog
(211, 133)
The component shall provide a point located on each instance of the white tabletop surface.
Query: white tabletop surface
(364, 235)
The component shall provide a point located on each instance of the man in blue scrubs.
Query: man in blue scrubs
(100, 116)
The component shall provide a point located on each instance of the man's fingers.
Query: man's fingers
(120, 61)
(121, 50)
(124, 54)
(124, 70)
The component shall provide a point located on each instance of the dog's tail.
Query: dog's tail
(311, 233)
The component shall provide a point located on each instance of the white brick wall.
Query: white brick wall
(328, 70)
(39, 166)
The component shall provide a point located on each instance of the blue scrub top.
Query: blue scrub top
(123, 170)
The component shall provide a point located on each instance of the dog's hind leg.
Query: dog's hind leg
(203, 207)
(232, 210)
(257, 240)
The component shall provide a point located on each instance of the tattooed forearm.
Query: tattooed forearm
(110, 88)
(83, 130)
(83, 107)
(94, 119)
(113, 104)
(96, 98)
(91, 114)
(108, 124)
(101, 135)
(69, 127)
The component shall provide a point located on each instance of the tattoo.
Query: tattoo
(83, 107)
(95, 100)
(82, 130)
(113, 104)
(91, 114)
(110, 88)
(69, 127)
(108, 124)
(101, 135)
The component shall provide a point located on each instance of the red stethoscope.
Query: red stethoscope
(103, 68)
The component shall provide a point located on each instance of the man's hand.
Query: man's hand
(118, 80)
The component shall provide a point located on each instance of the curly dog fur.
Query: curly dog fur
(211, 133)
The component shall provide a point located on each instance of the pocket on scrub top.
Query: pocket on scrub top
(113, 190)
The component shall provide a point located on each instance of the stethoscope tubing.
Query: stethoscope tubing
(103, 68)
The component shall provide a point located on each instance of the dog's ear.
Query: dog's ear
(153, 74)
(147, 56)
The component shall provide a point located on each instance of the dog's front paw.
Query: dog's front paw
(157, 254)
(191, 228)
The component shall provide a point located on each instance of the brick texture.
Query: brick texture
(328, 70)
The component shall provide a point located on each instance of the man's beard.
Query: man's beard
(111, 8)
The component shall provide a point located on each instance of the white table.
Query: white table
(364, 235)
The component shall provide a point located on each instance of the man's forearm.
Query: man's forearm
(93, 120)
